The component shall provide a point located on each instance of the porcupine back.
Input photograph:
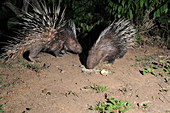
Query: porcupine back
(39, 30)
(112, 43)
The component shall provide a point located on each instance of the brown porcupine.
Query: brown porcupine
(66, 41)
(41, 32)
(112, 43)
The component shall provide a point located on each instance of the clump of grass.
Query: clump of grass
(160, 68)
(153, 66)
(21, 64)
(144, 62)
(111, 105)
(98, 88)
(15, 82)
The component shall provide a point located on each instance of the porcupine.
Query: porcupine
(40, 34)
(66, 41)
(112, 43)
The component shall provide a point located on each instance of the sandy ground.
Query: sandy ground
(59, 88)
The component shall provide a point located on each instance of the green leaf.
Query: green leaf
(130, 13)
(146, 4)
(166, 8)
(123, 3)
(119, 1)
(111, 3)
(129, 2)
(162, 61)
(2, 105)
(149, 69)
(141, 3)
(154, 15)
(119, 9)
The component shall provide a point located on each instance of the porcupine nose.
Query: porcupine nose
(90, 64)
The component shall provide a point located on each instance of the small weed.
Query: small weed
(111, 105)
(124, 90)
(167, 111)
(145, 105)
(71, 93)
(1, 81)
(49, 93)
(98, 88)
(87, 87)
(29, 109)
(1, 107)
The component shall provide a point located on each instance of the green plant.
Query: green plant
(29, 109)
(161, 68)
(145, 105)
(1, 107)
(99, 88)
(148, 70)
(1, 80)
(111, 105)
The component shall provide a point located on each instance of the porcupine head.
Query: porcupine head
(71, 43)
(111, 44)
(65, 41)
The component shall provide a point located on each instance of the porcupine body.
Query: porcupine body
(40, 33)
(112, 43)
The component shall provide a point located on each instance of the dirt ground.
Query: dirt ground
(59, 86)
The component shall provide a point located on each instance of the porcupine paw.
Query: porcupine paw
(32, 59)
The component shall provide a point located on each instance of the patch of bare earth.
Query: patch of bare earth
(59, 88)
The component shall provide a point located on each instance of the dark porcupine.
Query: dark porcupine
(112, 43)
(40, 33)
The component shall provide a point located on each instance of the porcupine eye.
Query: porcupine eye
(76, 45)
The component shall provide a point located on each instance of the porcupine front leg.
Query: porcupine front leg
(57, 48)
